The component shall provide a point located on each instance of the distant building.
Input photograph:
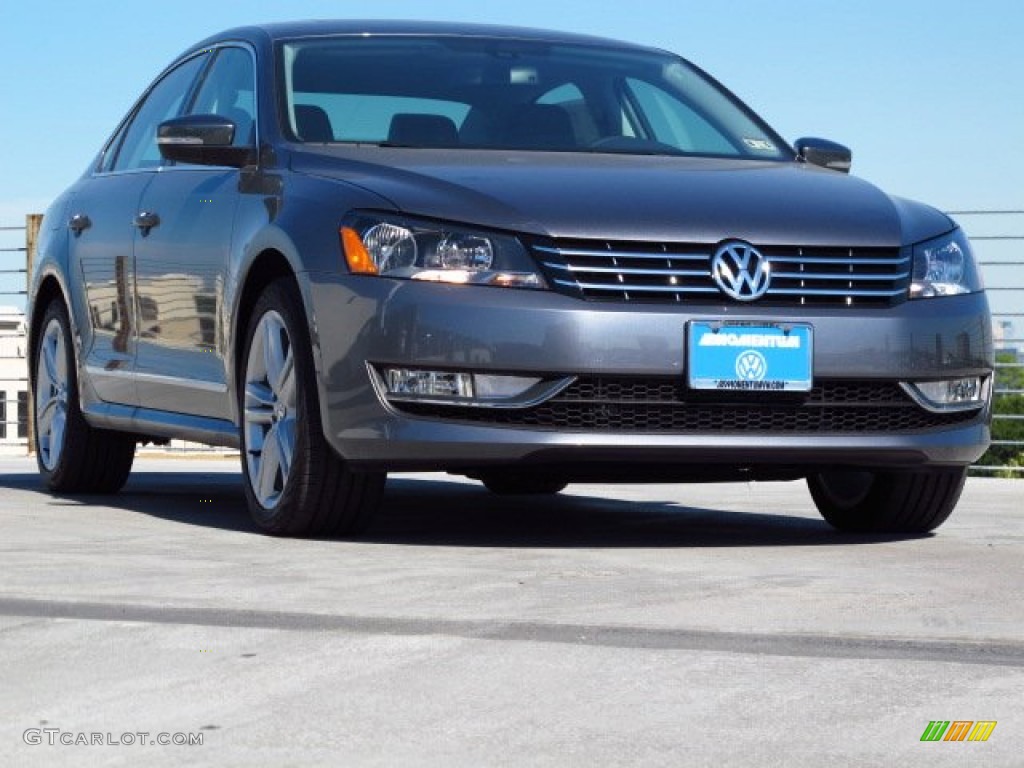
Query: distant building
(13, 378)
(1004, 337)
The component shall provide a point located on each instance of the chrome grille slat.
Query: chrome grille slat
(835, 276)
(623, 254)
(681, 272)
(625, 287)
(826, 292)
(631, 270)
(833, 260)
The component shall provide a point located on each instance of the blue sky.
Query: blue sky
(928, 93)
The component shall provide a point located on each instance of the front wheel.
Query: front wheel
(887, 502)
(295, 484)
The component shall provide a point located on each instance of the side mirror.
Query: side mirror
(824, 153)
(201, 140)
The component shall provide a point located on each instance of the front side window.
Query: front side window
(510, 94)
(138, 147)
(228, 90)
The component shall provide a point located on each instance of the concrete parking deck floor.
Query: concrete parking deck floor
(611, 625)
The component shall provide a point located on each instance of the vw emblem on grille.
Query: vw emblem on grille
(741, 271)
(751, 366)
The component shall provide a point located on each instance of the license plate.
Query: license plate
(768, 357)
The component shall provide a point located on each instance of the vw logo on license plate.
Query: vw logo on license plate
(751, 366)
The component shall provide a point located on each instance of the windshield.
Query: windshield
(486, 93)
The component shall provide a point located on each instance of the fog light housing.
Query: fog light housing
(488, 390)
(963, 394)
(404, 381)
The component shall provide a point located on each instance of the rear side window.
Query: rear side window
(165, 100)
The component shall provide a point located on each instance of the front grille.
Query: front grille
(665, 405)
(680, 272)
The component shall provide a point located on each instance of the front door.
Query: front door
(180, 266)
(181, 262)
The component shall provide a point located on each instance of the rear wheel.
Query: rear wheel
(72, 456)
(889, 502)
(295, 484)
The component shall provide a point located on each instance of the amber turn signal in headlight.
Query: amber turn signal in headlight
(356, 255)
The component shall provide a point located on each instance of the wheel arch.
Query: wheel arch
(49, 290)
(268, 265)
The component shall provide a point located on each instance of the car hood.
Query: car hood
(631, 197)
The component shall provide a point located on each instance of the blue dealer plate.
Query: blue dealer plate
(749, 358)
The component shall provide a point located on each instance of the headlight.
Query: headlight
(415, 249)
(944, 267)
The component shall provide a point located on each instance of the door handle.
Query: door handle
(146, 220)
(79, 223)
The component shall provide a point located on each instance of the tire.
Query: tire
(295, 484)
(72, 456)
(516, 484)
(887, 502)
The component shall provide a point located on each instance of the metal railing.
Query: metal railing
(998, 252)
(13, 374)
(1001, 254)
(7, 236)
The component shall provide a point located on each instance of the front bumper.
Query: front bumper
(356, 320)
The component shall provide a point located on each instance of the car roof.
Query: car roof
(322, 28)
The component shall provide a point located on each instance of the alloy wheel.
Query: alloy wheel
(51, 395)
(270, 409)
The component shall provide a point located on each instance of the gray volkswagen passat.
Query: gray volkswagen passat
(527, 257)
